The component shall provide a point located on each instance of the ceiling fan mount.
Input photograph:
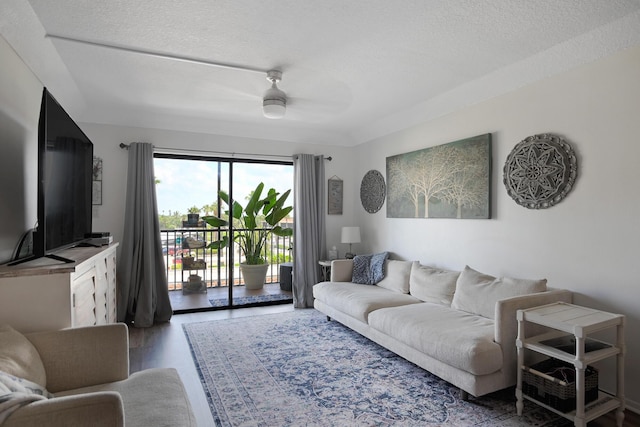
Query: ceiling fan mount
(274, 76)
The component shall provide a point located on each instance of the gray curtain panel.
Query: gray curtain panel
(143, 295)
(309, 238)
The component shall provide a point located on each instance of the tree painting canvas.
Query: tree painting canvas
(446, 181)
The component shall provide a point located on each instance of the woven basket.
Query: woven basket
(560, 393)
(187, 262)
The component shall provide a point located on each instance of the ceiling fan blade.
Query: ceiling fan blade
(327, 106)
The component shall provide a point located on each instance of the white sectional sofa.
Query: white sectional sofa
(460, 326)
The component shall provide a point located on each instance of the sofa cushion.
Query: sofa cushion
(396, 275)
(457, 338)
(169, 405)
(359, 300)
(432, 284)
(19, 357)
(478, 293)
(368, 269)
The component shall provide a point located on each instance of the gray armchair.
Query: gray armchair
(87, 371)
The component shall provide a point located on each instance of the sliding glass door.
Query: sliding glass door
(201, 277)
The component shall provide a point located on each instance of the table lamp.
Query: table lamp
(350, 235)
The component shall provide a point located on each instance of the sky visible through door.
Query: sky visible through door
(182, 184)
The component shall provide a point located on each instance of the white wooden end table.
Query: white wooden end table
(563, 320)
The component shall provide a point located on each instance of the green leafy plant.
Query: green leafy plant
(248, 235)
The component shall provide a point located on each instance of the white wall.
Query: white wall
(588, 243)
(20, 95)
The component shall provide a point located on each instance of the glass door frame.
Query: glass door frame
(232, 245)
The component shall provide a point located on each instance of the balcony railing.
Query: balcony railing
(210, 264)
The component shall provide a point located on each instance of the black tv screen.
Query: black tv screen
(65, 179)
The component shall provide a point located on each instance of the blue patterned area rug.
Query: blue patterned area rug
(253, 299)
(298, 369)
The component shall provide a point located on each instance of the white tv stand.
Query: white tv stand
(45, 294)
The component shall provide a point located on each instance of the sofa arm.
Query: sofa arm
(81, 357)
(506, 324)
(341, 270)
(99, 409)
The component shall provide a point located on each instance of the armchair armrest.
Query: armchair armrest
(100, 409)
(506, 323)
(341, 270)
(81, 357)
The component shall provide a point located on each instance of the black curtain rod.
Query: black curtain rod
(126, 146)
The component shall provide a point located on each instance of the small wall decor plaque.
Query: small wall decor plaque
(334, 200)
(97, 181)
(540, 171)
(373, 191)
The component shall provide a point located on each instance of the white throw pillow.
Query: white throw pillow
(19, 357)
(431, 284)
(477, 293)
(396, 276)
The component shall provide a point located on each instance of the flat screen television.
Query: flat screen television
(65, 182)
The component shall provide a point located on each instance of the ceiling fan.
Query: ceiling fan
(274, 100)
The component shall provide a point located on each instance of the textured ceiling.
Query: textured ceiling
(352, 70)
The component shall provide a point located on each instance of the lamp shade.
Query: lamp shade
(350, 235)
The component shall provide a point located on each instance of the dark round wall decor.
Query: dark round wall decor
(372, 191)
(540, 171)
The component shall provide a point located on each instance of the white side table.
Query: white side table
(325, 269)
(564, 320)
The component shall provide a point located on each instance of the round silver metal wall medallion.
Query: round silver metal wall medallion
(372, 191)
(540, 171)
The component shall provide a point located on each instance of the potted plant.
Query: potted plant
(193, 215)
(250, 237)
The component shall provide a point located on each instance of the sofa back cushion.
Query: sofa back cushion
(477, 293)
(18, 357)
(431, 284)
(396, 275)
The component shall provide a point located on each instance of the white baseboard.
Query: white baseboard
(632, 406)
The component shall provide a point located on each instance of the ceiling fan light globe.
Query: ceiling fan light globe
(273, 108)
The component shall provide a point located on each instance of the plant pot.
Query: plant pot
(193, 219)
(254, 275)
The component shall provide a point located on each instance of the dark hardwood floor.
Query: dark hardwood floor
(165, 345)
